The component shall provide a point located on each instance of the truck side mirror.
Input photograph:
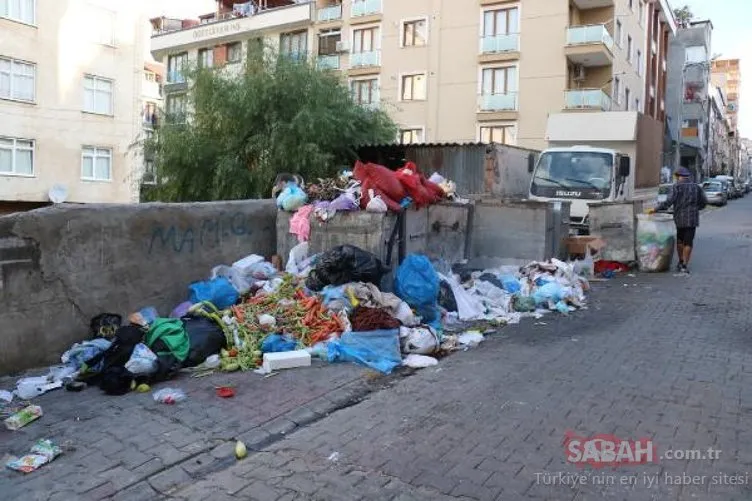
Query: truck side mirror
(531, 163)
(624, 166)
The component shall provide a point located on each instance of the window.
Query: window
(149, 76)
(16, 156)
(176, 107)
(205, 58)
(19, 10)
(631, 4)
(696, 54)
(365, 91)
(102, 25)
(150, 173)
(17, 80)
(629, 48)
(500, 22)
(411, 136)
(637, 104)
(627, 103)
(176, 65)
(364, 40)
(617, 90)
(501, 134)
(234, 52)
(96, 164)
(413, 87)
(499, 81)
(294, 45)
(640, 12)
(414, 33)
(639, 62)
(97, 95)
(619, 34)
(328, 42)
(150, 114)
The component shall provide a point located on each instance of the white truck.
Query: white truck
(598, 157)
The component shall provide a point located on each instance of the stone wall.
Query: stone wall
(62, 265)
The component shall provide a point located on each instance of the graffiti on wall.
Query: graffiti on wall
(209, 232)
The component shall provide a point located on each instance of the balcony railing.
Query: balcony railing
(491, 44)
(330, 13)
(297, 56)
(594, 33)
(498, 102)
(365, 7)
(589, 99)
(365, 59)
(175, 76)
(328, 62)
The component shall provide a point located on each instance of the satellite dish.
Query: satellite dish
(58, 194)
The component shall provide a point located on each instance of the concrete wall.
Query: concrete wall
(61, 266)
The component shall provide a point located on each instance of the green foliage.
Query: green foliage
(683, 16)
(273, 115)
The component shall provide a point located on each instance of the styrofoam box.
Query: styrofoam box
(286, 360)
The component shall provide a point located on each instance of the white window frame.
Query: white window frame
(400, 84)
(97, 151)
(367, 79)
(617, 91)
(407, 20)
(234, 44)
(413, 128)
(181, 59)
(516, 67)
(96, 11)
(495, 8)
(17, 18)
(630, 48)
(170, 98)
(200, 52)
(619, 35)
(638, 62)
(627, 96)
(11, 75)
(295, 35)
(96, 79)
(490, 125)
(13, 151)
(376, 39)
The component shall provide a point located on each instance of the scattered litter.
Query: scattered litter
(6, 396)
(225, 392)
(334, 457)
(470, 339)
(419, 361)
(41, 453)
(286, 360)
(23, 417)
(240, 450)
(169, 396)
(143, 388)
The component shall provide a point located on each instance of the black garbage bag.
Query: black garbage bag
(116, 380)
(117, 355)
(345, 264)
(446, 297)
(105, 325)
(206, 339)
(492, 279)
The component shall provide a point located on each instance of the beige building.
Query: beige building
(726, 74)
(70, 80)
(461, 71)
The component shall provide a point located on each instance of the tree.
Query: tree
(277, 115)
(683, 16)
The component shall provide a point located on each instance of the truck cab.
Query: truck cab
(581, 175)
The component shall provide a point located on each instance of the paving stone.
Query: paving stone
(170, 480)
(279, 426)
(139, 492)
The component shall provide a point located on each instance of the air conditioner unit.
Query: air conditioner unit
(342, 46)
(579, 73)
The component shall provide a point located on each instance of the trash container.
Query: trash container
(655, 242)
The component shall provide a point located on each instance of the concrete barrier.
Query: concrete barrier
(62, 265)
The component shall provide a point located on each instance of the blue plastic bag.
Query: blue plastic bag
(417, 284)
(292, 198)
(218, 291)
(379, 350)
(511, 284)
(551, 291)
(275, 343)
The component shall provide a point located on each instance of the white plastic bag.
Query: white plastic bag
(298, 256)
(143, 361)
(419, 340)
(419, 361)
(239, 282)
(376, 204)
(468, 307)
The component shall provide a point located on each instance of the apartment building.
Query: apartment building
(151, 103)
(726, 74)
(70, 79)
(463, 71)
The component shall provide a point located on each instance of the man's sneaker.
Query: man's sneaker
(679, 267)
(685, 269)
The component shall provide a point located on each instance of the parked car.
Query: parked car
(732, 191)
(664, 191)
(715, 193)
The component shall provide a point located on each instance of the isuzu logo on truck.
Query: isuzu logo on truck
(562, 193)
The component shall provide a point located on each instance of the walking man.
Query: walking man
(688, 200)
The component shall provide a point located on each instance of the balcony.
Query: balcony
(362, 8)
(590, 45)
(235, 28)
(328, 62)
(330, 13)
(497, 102)
(587, 99)
(370, 59)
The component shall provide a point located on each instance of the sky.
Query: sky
(732, 37)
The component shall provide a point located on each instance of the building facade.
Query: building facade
(479, 70)
(726, 74)
(69, 100)
(689, 83)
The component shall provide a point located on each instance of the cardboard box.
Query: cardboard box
(286, 360)
(579, 245)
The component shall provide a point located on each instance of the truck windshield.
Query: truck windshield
(575, 170)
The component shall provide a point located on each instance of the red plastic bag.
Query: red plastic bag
(365, 198)
(433, 188)
(410, 179)
(381, 179)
